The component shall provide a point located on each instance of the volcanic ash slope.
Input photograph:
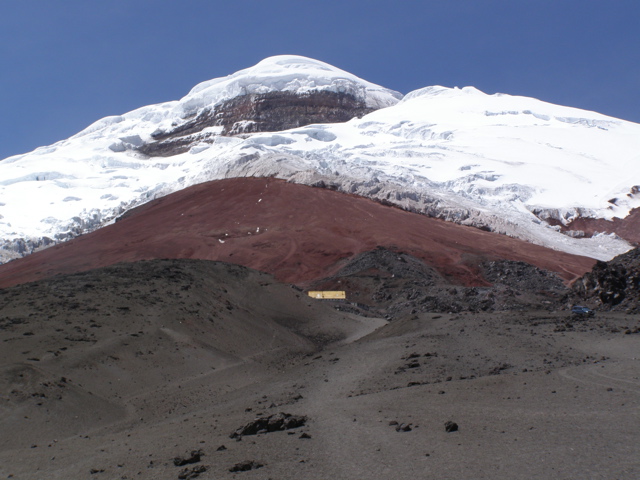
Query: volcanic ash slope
(174, 369)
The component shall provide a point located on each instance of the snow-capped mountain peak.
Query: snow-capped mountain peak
(287, 73)
(296, 75)
(502, 162)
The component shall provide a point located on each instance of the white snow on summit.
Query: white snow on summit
(460, 154)
(284, 73)
(288, 73)
(483, 146)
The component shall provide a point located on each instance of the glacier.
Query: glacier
(500, 162)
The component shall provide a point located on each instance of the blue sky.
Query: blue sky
(65, 64)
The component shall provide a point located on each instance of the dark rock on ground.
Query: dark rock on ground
(498, 369)
(271, 423)
(450, 426)
(194, 472)
(404, 427)
(194, 457)
(246, 466)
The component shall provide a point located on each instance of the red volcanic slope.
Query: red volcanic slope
(627, 228)
(295, 232)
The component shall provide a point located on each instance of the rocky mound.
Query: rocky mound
(613, 285)
(390, 283)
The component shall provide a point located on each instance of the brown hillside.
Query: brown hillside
(297, 233)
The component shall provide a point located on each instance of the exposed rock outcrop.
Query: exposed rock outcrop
(614, 284)
(267, 112)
